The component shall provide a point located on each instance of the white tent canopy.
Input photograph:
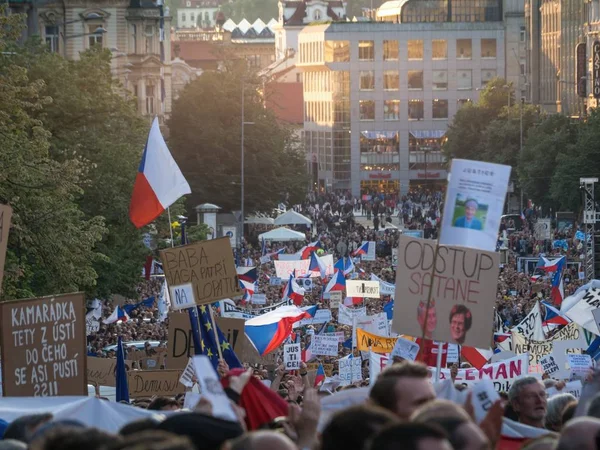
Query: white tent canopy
(260, 220)
(282, 234)
(291, 217)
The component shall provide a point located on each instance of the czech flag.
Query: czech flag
(268, 331)
(317, 265)
(363, 249)
(320, 376)
(477, 357)
(349, 301)
(159, 182)
(293, 291)
(553, 316)
(118, 314)
(344, 265)
(248, 274)
(337, 282)
(308, 249)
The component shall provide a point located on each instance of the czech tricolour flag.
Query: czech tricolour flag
(118, 314)
(320, 376)
(553, 316)
(344, 265)
(337, 282)
(294, 291)
(363, 249)
(317, 265)
(308, 249)
(159, 182)
(556, 267)
(268, 331)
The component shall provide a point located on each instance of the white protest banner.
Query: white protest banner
(502, 373)
(549, 365)
(92, 325)
(211, 389)
(259, 299)
(405, 349)
(572, 387)
(335, 298)
(377, 363)
(283, 269)
(578, 307)
(531, 326)
(474, 202)
(464, 281)
(324, 345)
(292, 356)
(321, 316)
(385, 288)
(338, 334)
(483, 397)
(189, 374)
(350, 370)
(362, 289)
(371, 254)
(233, 312)
(288, 257)
(580, 365)
(346, 315)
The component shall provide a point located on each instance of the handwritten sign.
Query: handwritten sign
(101, 371)
(5, 216)
(44, 346)
(212, 390)
(346, 315)
(180, 345)
(335, 298)
(462, 284)
(283, 269)
(405, 349)
(549, 365)
(325, 345)
(580, 365)
(148, 383)
(291, 356)
(362, 289)
(371, 342)
(350, 370)
(200, 273)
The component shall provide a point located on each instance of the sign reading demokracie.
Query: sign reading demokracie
(43, 344)
(464, 281)
(200, 273)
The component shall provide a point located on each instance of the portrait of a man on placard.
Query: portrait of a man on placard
(427, 319)
(469, 213)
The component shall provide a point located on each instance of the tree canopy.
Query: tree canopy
(205, 139)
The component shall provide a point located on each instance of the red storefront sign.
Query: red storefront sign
(380, 176)
(429, 175)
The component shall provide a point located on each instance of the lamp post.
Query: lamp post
(243, 124)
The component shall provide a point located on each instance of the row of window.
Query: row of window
(339, 51)
(327, 112)
(199, 17)
(439, 79)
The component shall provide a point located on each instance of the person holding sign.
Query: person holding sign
(469, 220)
(428, 323)
(461, 320)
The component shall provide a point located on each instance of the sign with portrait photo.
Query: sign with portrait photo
(463, 292)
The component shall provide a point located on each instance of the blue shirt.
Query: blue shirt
(473, 224)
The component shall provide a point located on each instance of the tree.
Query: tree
(205, 139)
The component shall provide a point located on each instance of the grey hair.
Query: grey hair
(517, 386)
(549, 382)
(556, 406)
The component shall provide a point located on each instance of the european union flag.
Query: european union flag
(208, 345)
(148, 303)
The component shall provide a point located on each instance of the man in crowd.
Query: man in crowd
(528, 399)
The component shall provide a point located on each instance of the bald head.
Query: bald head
(261, 440)
(579, 434)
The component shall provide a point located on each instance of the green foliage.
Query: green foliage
(206, 142)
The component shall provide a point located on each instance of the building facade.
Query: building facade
(197, 13)
(378, 97)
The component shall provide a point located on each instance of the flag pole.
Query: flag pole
(170, 226)
(214, 327)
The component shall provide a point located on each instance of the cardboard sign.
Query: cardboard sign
(543, 229)
(362, 289)
(200, 273)
(325, 345)
(150, 383)
(44, 346)
(291, 357)
(283, 269)
(371, 342)
(549, 365)
(464, 281)
(211, 389)
(180, 346)
(405, 349)
(5, 216)
(474, 203)
(101, 371)
(350, 370)
(335, 298)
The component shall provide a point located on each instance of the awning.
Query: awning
(428, 134)
(379, 134)
(391, 8)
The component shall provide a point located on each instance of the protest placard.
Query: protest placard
(305, 283)
(180, 346)
(543, 229)
(453, 353)
(572, 387)
(200, 273)
(362, 289)
(275, 281)
(483, 396)
(321, 316)
(580, 366)
(150, 383)
(338, 334)
(92, 325)
(405, 349)
(259, 299)
(324, 345)
(579, 306)
(371, 342)
(346, 315)
(474, 203)
(371, 251)
(44, 346)
(385, 288)
(5, 216)
(188, 376)
(549, 365)
(531, 326)
(335, 298)
(283, 269)
(291, 356)
(464, 281)
(101, 371)
(350, 370)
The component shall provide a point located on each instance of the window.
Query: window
(464, 79)
(149, 32)
(523, 34)
(415, 79)
(52, 38)
(415, 110)
(133, 42)
(367, 80)
(464, 101)
(390, 50)
(337, 51)
(391, 110)
(440, 80)
(183, 18)
(487, 75)
(317, 14)
(366, 109)
(95, 37)
(439, 49)
(192, 18)
(488, 48)
(415, 50)
(253, 60)
(440, 109)
(206, 17)
(522, 66)
(149, 99)
(379, 150)
(391, 80)
(464, 49)
(366, 51)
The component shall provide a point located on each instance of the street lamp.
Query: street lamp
(243, 124)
